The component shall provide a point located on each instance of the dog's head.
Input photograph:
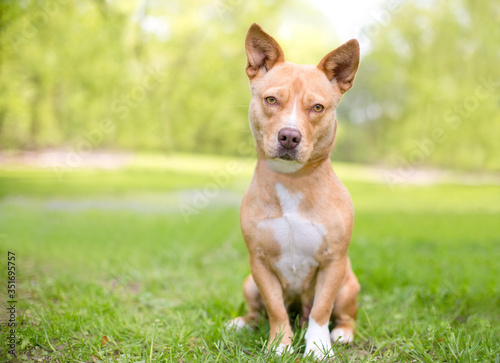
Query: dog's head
(292, 111)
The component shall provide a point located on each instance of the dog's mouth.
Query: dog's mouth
(286, 157)
(284, 154)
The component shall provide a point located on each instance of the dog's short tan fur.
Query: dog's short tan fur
(296, 216)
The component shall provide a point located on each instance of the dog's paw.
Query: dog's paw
(280, 349)
(319, 351)
(341, 336)
(236, 324)
(318, 342)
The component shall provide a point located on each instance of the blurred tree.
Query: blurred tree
(428, 92)
(169, 76)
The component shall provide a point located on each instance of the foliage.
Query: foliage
(167, 76)
(147, 75)
(428, 92)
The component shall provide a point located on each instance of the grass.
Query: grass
(108, 268)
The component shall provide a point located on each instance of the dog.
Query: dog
(296, 216)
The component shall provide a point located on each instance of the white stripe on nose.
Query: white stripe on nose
(292, 119)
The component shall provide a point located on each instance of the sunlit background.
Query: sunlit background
(168, 76)
(125, 150)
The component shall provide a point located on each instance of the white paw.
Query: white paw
(341, 336)
(281, 348)
(236, 324)
(318, 341)
(319, 353)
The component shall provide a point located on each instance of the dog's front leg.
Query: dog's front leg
(272, 295)
(329, 280)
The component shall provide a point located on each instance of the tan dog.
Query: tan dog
(296, 216)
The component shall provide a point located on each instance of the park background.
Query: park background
(125, 149)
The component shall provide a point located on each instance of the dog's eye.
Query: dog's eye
(318, 108)
(271, 100)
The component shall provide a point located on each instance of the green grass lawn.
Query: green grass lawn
(110, 269)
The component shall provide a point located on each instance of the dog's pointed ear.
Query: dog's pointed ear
(263, 52)
(341, 64)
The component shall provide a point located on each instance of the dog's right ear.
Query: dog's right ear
(263, 52)
(342, 64)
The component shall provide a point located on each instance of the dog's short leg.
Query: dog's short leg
(253, 299)
(272, 296)
(345, 307)
(255, 306)
(329, 280)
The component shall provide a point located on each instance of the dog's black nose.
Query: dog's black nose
(289, 138)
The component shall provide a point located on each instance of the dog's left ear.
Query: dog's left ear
(341, 64)
(263, 52)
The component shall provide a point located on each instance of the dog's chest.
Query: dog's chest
(299, 239)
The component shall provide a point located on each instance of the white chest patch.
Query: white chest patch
(299, 239)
